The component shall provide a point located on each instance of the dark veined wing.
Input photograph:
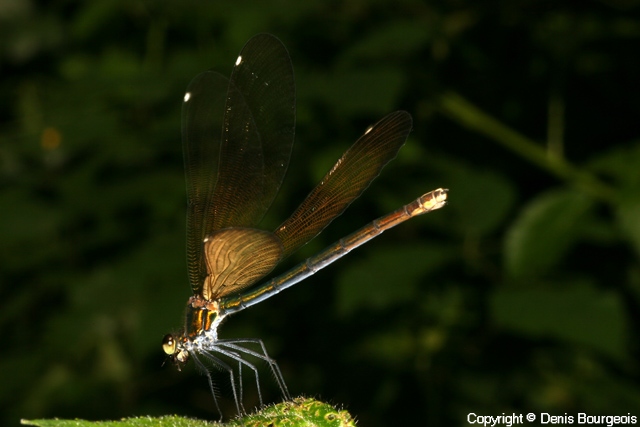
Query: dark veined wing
(236, 258)
(348, 178)
(237, 140)
(257, 135)
(202, 113)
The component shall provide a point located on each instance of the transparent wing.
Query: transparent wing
(237, 140)
(257, 134)
(202, 113)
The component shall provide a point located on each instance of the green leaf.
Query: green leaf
(578, 314)
(94, 17)
(480, 199)
(620, 162)
(374, 90)
(171, 420)
(298, 412)
(405, 37)
(377, 282)
(628, 216)
(544, 232)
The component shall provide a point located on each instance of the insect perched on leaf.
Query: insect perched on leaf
(237, 139)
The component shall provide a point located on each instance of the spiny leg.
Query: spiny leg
(208, 374)
(241, 392)
(241, 361)
(226, 367)
(233, 343)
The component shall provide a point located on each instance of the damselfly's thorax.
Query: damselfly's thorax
(200, 330)
(202, 318)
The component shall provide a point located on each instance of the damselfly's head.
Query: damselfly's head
(176, 351)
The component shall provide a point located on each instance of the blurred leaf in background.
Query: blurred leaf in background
(521, 295)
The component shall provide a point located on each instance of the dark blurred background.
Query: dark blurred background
(521, 295)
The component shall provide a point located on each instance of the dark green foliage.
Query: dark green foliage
(521, 295)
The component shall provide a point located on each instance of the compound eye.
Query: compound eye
(169, 344)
